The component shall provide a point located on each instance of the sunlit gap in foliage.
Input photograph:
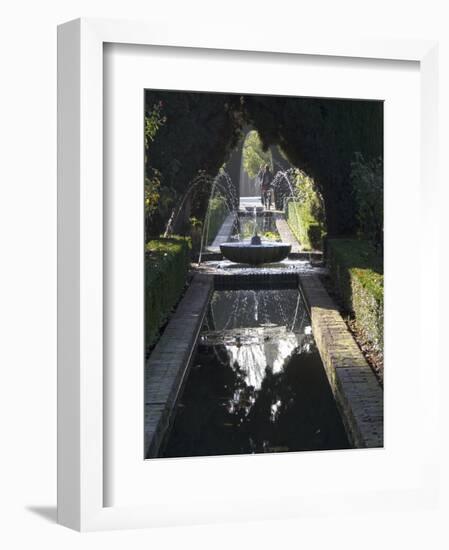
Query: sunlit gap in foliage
(254, 159)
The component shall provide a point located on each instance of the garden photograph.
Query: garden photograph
(263, 257)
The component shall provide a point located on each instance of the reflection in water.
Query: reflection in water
(257, 383)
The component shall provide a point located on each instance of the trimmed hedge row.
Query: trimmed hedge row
(304, 225)
(166, 266)
(357, 273)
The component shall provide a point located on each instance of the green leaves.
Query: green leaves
(154, 119)
(186, 134)
(166, 266)
(254, 157)
(305, 214)
(357, 273)
(320, 136)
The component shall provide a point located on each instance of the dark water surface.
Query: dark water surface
(257, 383)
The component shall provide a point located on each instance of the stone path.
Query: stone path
(286, 233)
(168, 364)
(224, 233)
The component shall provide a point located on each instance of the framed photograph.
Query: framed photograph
(235, 309)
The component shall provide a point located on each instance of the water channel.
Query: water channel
(256, 383)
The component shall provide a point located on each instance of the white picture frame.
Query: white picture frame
(81, 475)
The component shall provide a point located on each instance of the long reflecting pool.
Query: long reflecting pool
(257, 383)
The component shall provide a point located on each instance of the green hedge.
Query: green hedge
(306, 228)
(357, 273)
(218, 210)
(166, 266)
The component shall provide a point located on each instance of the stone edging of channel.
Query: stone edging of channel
(167, 367)
(356, 390)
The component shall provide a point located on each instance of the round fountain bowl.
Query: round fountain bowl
(255, 254)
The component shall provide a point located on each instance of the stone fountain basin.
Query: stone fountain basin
(255, 254)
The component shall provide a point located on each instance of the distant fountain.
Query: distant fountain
(203, 179)
(255, 250)
(221, 182)
(282, 179)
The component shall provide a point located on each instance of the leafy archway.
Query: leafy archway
(203, 131)
(322, 137)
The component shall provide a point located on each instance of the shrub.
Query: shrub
(315, 235)
(305, 213)
(166, 267)
(357, 273)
